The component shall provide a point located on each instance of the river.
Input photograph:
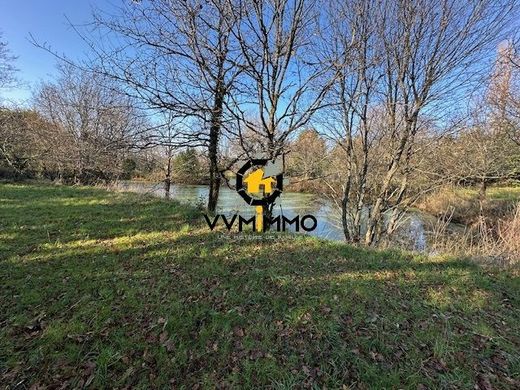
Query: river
(289, 204)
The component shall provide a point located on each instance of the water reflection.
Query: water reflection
(289, 204)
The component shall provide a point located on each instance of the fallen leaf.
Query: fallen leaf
(239, 332)
(169, 345)
(483, 383)
(163, 337)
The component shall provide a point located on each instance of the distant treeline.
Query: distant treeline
(372, 106)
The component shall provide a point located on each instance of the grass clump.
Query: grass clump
(111, 290)
(486, 229)
(463, 205)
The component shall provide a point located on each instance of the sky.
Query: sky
(47, 21)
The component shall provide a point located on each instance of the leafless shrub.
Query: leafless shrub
(399, 65)
(488, 240)
(467, 208)
(509, 235)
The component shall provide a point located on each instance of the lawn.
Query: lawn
(493, 193)
(113, 290)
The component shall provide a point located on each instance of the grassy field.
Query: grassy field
(463, 205)
(493, 193)
(114, 290)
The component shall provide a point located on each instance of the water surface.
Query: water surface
(289, 204)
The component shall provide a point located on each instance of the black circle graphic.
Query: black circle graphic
(242, 191)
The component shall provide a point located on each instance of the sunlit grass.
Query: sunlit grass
(114, 290)
(494, 193)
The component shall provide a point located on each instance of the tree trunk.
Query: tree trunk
(168, 178)
(167, 186)
(397, 212)
(481, 198)
(267, 216)
(344, 210)
(214, 179)
(214, 136)
(375, 217)
(482, 190)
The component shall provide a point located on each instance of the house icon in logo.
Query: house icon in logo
(260, 181)
(257, 184)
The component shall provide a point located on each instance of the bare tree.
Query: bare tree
(506, 100)
(284, 79)
(7, 68)
(165, 138)
(307, 160)
(175, 56)
(95, 124)
(398, 61)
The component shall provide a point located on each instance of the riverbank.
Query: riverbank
(103, 289)
(463, 205)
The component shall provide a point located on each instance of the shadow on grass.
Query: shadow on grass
(121, 290)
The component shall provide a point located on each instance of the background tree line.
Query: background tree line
(374, 104)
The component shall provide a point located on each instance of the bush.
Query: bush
(509, 235)
(463, 206)
(128, 168)
(449, 202)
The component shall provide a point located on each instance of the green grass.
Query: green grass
(463, 206)
(107, 290)
(493, 193)
(506, 193)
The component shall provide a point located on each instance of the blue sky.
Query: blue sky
(47, 21)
